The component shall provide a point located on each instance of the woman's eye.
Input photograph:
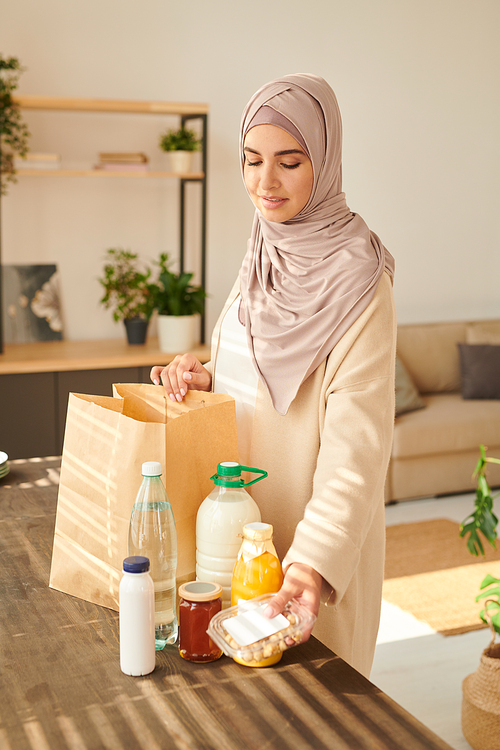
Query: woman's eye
(253, 163)
(291, 166)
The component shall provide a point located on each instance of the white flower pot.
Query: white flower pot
(178, 334)
(180, 161)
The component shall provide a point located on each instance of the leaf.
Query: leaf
(475, 545)
(495, 618)
(488, 580)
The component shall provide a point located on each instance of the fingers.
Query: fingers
(183, 373)
(302, 583)
(155, 374)
(279, 601)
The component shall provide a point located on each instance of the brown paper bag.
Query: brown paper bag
(106, 441)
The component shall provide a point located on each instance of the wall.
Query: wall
(417, 83)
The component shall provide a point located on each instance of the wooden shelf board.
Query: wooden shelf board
(62, 356)
(104, 173)
(109, 105)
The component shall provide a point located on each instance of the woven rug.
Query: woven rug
(430, 573)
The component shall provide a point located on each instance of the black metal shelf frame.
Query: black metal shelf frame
(182, 211)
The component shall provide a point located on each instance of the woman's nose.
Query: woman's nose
(268, 178)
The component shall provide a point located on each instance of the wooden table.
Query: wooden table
(61, 684)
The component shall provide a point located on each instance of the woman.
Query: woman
(306, 345)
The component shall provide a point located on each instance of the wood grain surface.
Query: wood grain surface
(61, 684)
(61, 356)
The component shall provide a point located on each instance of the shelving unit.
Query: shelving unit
(103, 173)
(185, 111)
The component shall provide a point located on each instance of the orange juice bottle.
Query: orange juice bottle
(257, 570)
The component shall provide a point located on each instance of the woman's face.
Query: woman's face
(278, 173)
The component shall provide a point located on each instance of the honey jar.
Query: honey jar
(199, 602)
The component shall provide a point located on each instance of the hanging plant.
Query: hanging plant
(14, 133)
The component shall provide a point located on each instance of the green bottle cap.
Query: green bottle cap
(227, 471)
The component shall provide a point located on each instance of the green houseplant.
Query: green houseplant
(14, 133)
(179, 303)
(182, 139)
(481, 714)
(483, 521)
(129, 292)
(180, 145)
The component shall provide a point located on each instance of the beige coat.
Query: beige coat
(327, 460)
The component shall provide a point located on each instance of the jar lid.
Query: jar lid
(136, 564)
(151, 469)
(258, 531)
(200, 591)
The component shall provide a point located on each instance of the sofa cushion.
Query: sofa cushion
(407, 396)
(480, 371)
(483, 332)
(449, 424)
(429, 353)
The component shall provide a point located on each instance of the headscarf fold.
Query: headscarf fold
(305, 281)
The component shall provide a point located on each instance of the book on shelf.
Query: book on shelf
(34, 160)
(123, 157)
(121, 167)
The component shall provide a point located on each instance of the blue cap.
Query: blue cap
(136, 564)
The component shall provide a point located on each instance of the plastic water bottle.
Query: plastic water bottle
(219, 525)
(137, 617)
(152, 534)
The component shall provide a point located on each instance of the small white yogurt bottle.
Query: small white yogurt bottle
(137, 617)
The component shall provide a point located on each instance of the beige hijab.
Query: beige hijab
(305, 281)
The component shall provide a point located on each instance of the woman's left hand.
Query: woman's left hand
(302, 583)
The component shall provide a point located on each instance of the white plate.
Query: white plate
(3, 457)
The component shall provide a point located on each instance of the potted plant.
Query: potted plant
(14, 133)
(179, 304)
(481, 714)
(129, 292)
(484, 521)
(180, 145)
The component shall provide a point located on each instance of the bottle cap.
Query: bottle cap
(229, 469)
(136, 564)
(229, 475)
(200, 591)
(258, 531)
(151, 469)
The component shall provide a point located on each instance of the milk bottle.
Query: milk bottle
(219, 525)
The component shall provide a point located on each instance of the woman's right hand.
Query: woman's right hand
(183, 373)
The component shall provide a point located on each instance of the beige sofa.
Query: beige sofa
(438, 431)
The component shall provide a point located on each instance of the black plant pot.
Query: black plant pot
(137, 329)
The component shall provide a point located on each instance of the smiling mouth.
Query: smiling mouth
(272, 201)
